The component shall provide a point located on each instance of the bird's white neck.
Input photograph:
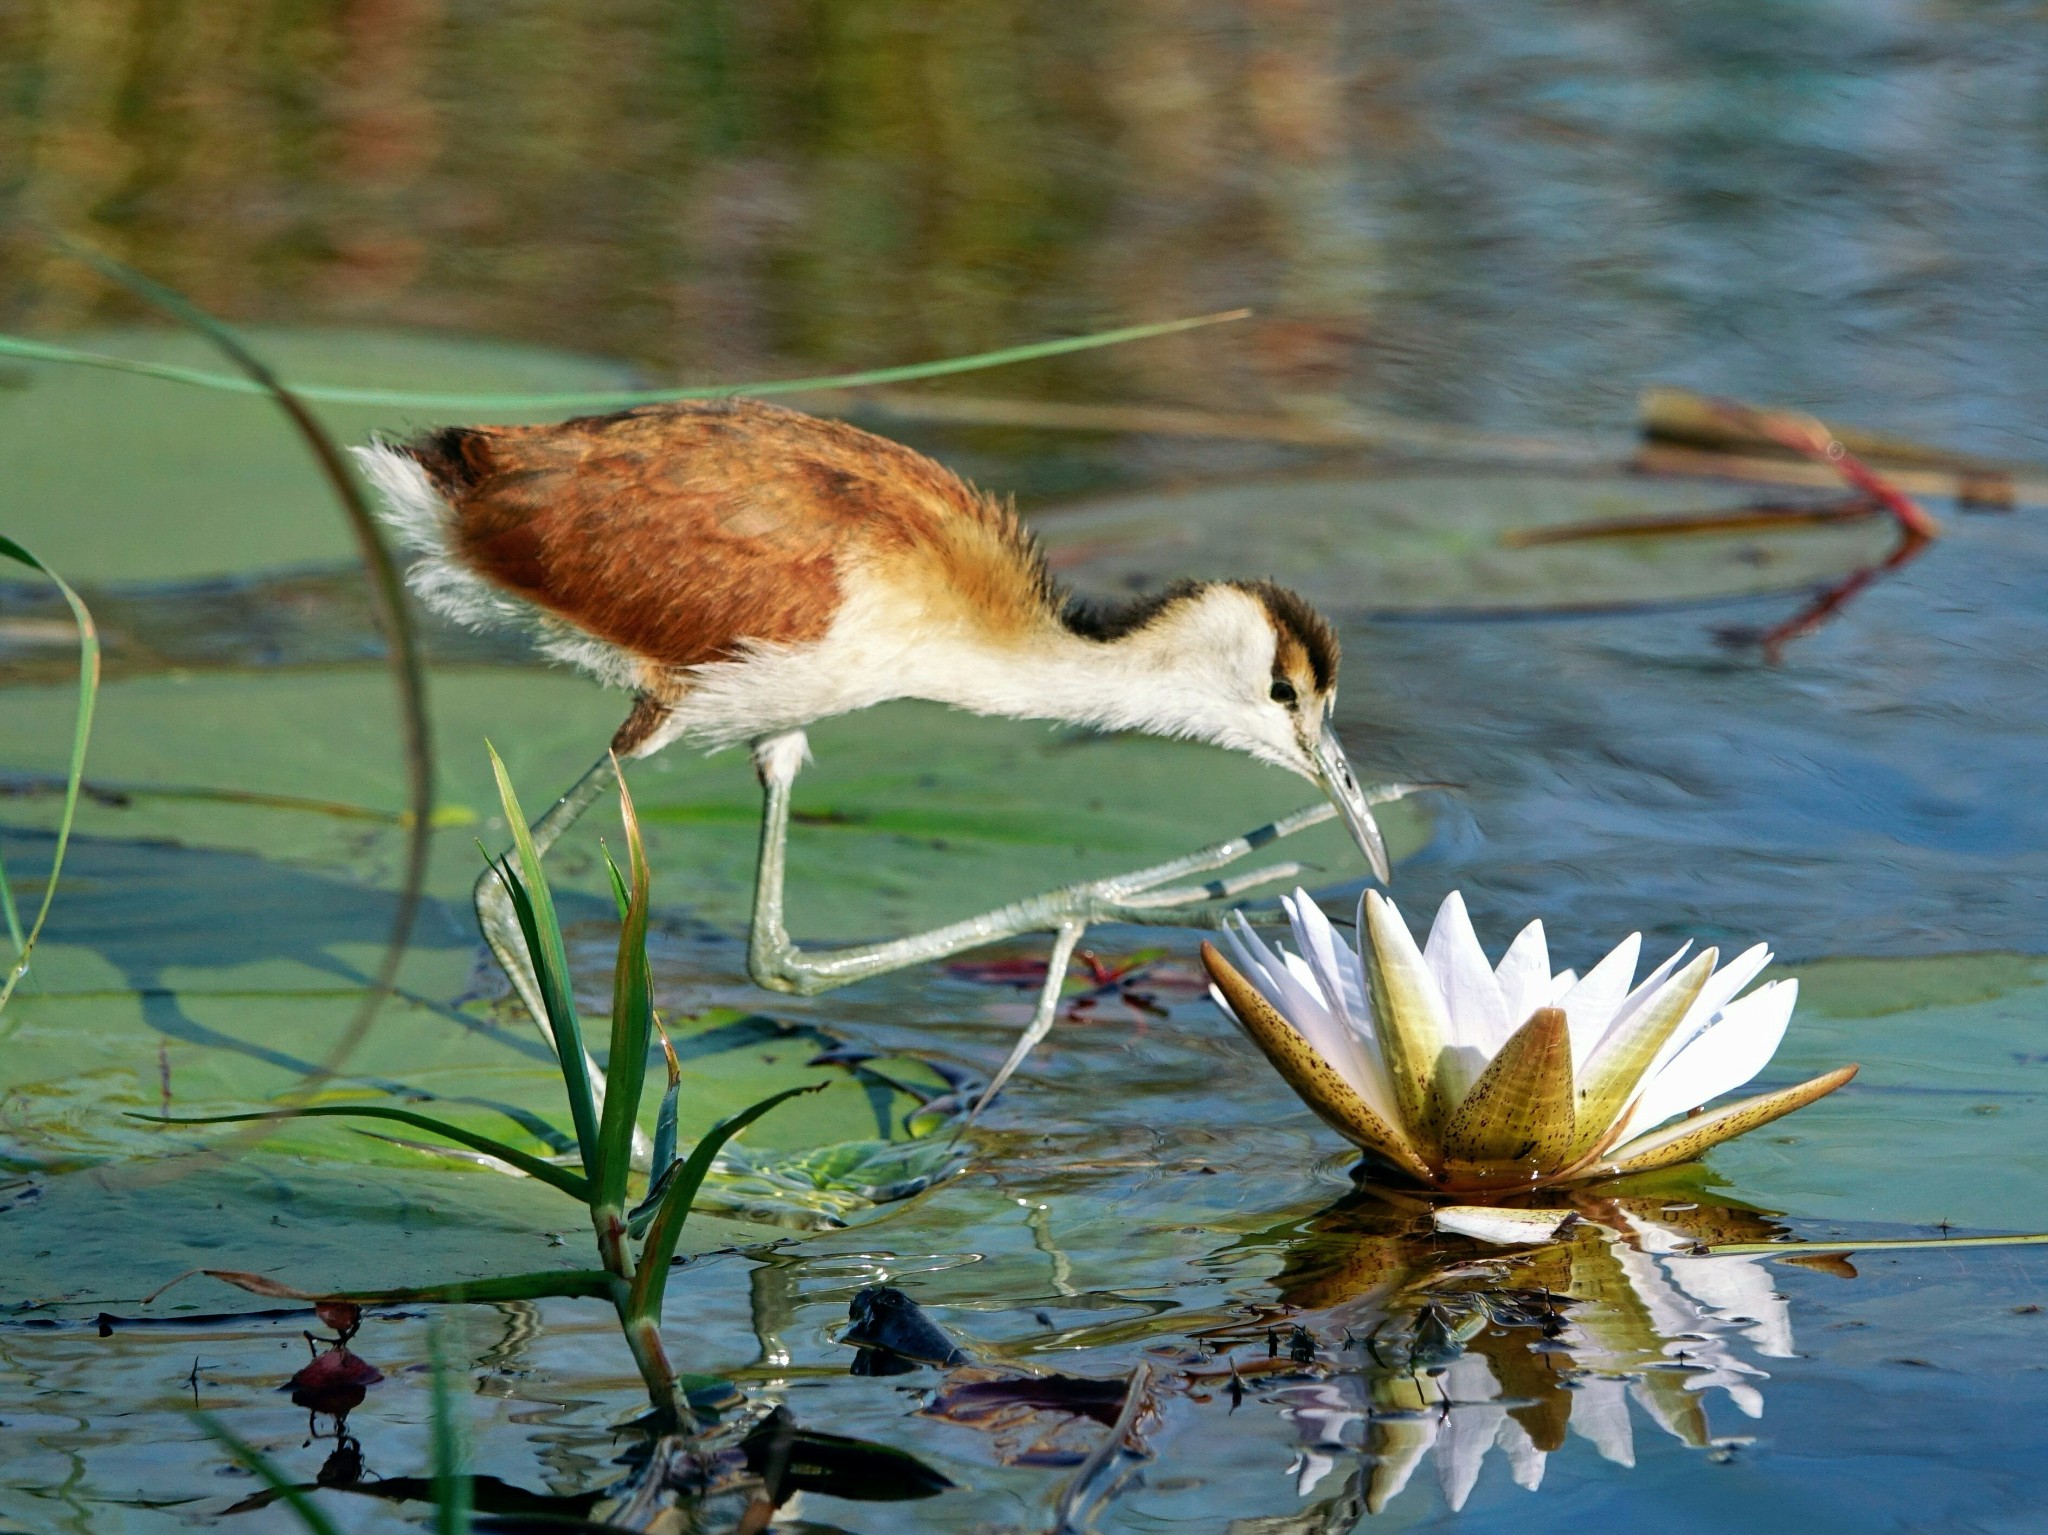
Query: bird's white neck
(1174, 677)
(1141, 681)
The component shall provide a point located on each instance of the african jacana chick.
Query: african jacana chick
(747, 569)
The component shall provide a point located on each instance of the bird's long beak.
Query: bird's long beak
(1333, 771)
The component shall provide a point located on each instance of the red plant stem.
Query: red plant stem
(1808, 436)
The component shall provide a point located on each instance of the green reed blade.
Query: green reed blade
(612, 399)
(74, 774)
(454, 1491)
(650, 1275)
(546, 1172)
(535, 906)
(270, 1474)
(665, 1121)
(621, 897)
(632, 1020)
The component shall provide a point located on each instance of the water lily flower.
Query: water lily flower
(1474, 1077)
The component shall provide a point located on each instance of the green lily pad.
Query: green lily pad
(1945, 1122)
(1437, 543)
(112, 477)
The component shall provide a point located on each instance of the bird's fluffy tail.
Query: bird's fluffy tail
(424, 524)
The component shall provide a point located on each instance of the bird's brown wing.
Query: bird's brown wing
(682, 533)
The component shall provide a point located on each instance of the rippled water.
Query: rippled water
(1512, 216)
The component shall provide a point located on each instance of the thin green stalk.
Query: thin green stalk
(454, 1491)
(81, 735)
(310, 1514)
(387, 607)
(12, 913)
(608, 399)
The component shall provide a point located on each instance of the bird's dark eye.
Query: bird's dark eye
(1283, 693)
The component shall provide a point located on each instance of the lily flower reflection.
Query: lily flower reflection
(1471, 1077)
(1448, 1351)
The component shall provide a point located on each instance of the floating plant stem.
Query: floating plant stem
(1871, 1244)
(74, 775)
(595, 399)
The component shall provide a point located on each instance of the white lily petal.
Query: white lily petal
(1502, 1225)
(1747, 1399)
(1469, 1428)
(1301, 1004)
(1337, 965)
(1478, 1013)
(1290, 984)
(1340, 973)
(1251, 956)
(1309, 1468)
(1647, 989)
(1668, 1309)
(1560, 987)
(1600, 1413)
(1726, 1054)
(1305, 976)
(1524, 974)
(1721, 989)
(1590, 1006)
(1394, 1448)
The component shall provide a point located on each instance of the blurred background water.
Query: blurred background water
(1509, 214)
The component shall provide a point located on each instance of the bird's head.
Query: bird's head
(1252, 667)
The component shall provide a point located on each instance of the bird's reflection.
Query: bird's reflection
(1429, 1347)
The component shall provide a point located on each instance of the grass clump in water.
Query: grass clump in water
(601, 1173)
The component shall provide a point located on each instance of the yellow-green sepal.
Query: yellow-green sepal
(1519, 1114)
(1690, 1138)
(1408, 1013)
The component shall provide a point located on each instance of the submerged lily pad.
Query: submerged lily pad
(1419, 544)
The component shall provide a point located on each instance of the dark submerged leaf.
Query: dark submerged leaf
(837, 1466)
(884, 1318)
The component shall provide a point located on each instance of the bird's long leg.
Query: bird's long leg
(1041, 1023)
(500, 923)
(1138, 897)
